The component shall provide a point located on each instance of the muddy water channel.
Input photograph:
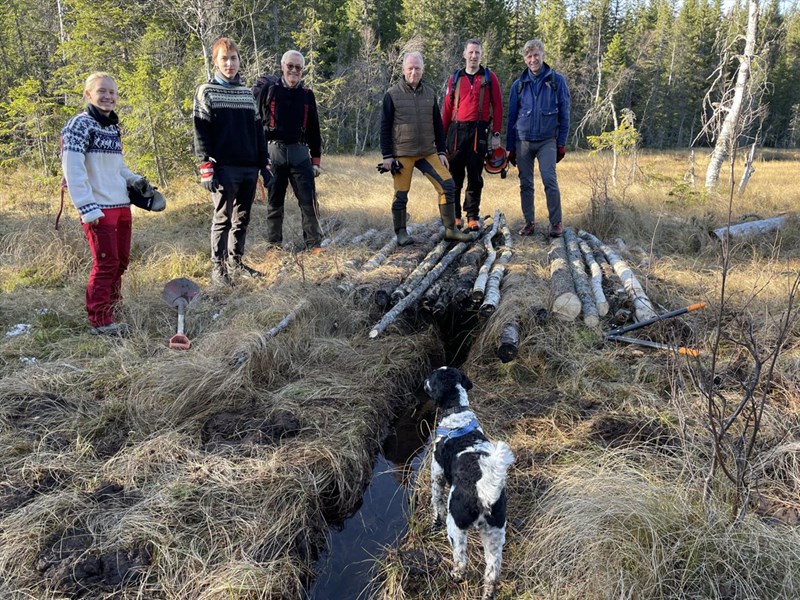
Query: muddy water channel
(345, 568)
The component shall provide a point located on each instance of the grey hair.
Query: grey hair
(473, 41)
(414, 54)
(532, 45)
(289, 53)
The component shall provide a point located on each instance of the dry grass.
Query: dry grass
(222, 465)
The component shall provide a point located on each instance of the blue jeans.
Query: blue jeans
(545, 152)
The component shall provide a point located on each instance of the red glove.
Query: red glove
(560, 152)
(207, 178)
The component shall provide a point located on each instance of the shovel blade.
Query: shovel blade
(181, 291)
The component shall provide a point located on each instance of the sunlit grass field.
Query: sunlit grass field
(213, 473)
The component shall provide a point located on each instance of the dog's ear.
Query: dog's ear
(465, 382)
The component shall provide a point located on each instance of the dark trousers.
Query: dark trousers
(467, 144)
(545, 152)
(232, 205)
(291, 163)
(110, 243)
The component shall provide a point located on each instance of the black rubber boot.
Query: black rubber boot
(448, 214)
(400, 217)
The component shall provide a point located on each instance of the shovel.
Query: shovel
(180, 293)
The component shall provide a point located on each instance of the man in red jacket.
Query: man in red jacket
(473, 107)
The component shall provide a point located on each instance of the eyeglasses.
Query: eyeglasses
(291, 67)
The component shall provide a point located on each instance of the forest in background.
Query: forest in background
(669, 63)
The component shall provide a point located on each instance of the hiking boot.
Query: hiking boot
(473, 225)
(556, 230)
(459, 222)
(112, 330)
(237, 268)
(219, 275)
(527, 229)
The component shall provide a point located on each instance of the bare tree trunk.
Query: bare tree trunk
(729, 133)
(748, 169)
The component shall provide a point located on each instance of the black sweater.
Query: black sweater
(227, 127)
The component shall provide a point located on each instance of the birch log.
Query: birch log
(364, 237)
(750, 228)
(581, 279)
(509, 342)
(597, 278)
(479, 288)
(422, 269)
(641, 303)
(565, 303)
(492, 297)
(426, 282)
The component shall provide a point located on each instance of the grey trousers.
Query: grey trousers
(545, 152)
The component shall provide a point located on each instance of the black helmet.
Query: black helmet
(497, 162)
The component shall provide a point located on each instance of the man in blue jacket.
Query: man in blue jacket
(538, 124)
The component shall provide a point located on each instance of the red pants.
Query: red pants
(110, 242)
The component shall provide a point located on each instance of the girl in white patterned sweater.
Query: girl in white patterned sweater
(98, 181)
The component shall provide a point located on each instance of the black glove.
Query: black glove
(512, 158)
(143, 186)
(397, 166)
(267, 177)
(208, 179)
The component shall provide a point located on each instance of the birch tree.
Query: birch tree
(734, 109)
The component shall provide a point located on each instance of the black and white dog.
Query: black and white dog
(475, 469)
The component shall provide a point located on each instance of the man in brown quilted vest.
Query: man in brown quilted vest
(412, 136)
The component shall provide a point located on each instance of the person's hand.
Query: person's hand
(387, 164)
(94, 222)
(267, 177)
(443, 160)
(512, 157)
(208, 178)
(495, 142)
(560, 152)
(317, 170)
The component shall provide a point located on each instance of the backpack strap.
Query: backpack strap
(486, 83)
(455, 93)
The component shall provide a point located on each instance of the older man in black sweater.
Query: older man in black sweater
(288, 112)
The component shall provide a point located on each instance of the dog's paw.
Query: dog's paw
(457, 574)
(490, 592)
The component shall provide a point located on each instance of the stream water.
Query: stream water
(345, 568)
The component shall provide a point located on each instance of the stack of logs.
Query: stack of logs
(473, 284)
(576, 279)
